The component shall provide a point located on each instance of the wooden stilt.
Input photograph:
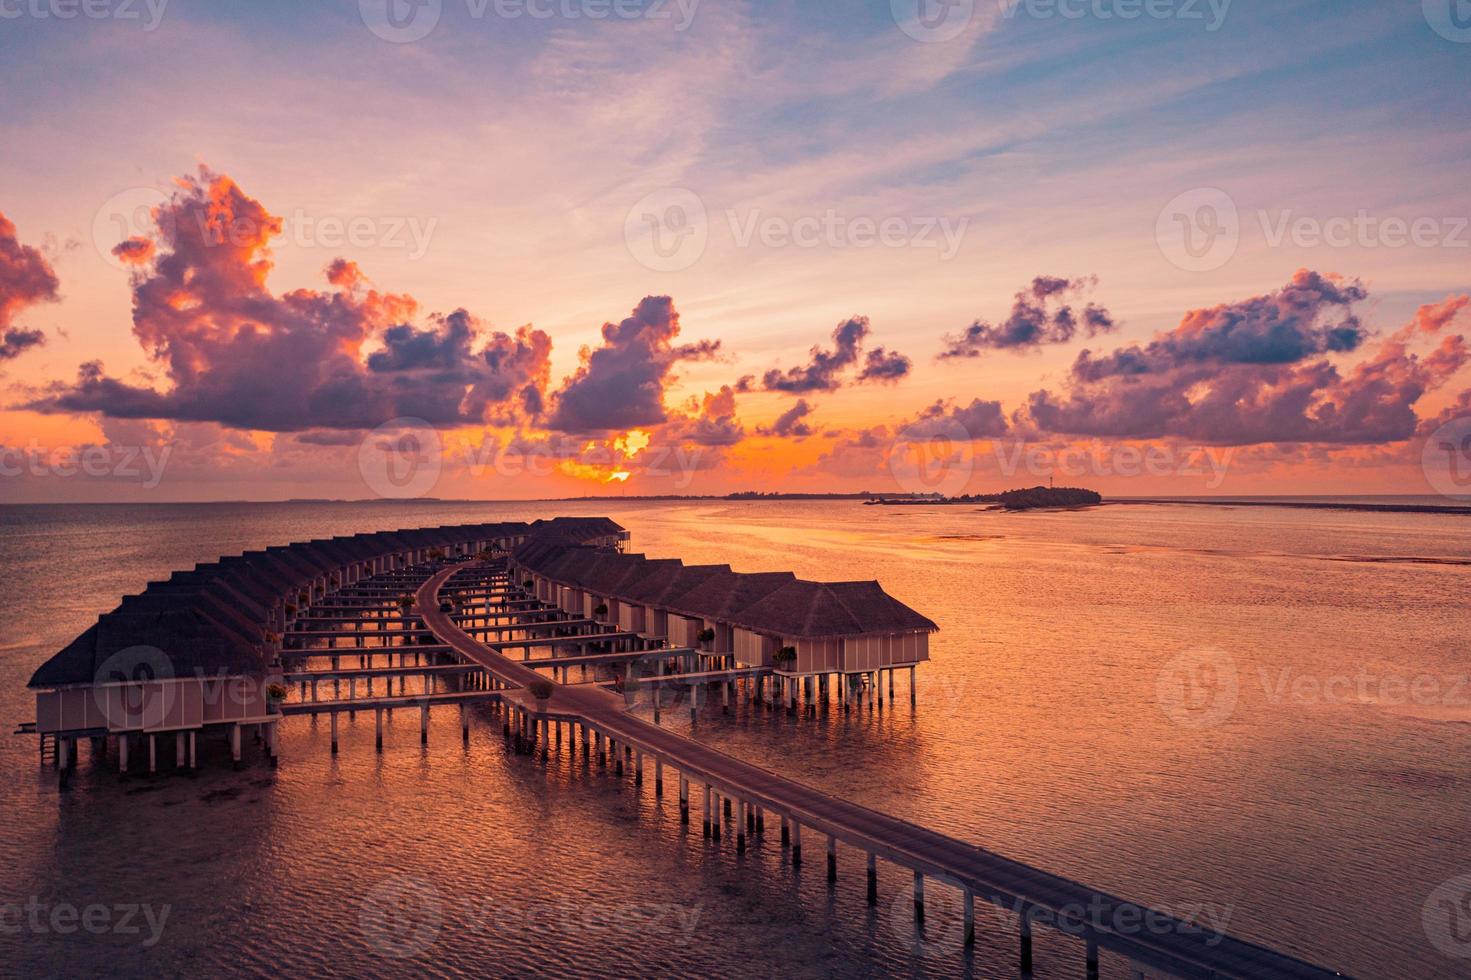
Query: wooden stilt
(1026, 942)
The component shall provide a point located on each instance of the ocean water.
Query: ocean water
(1257, 716)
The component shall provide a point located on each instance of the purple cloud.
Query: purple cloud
(1253, 372)
(238, 355)
(789, 424)
(1031, 323)
(620, 385)
(26, 278)
(825, 370)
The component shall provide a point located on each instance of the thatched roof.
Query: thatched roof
(813, 609)
(720, 597)
(769, 602)
(211, 620)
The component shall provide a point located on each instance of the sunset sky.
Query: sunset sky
(276, 249)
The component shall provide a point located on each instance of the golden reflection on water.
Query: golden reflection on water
(1320, 822)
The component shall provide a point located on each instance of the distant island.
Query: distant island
(1028, 498)
(865, 495)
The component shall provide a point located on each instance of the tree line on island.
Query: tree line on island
(1026, 498)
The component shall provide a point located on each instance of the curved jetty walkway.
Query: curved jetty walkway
(1148, 938)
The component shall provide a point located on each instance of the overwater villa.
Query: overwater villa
(219, 649)
(195, 653)
(763, 619)
(201, 651)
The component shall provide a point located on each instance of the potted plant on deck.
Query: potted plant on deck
(275, 695)
(784, 656)
(541, 688)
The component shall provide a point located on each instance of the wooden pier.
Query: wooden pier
(693, 627)
(1178, 947)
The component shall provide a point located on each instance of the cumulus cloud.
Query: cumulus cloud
(789, 424)
(1281, 327)
(711, 421)
(1038, 316)
(881, 364)
(26, 278)
(244, 357)
(981, 419)
(1256, 372)
(826, 368)
(16, 341)
(620, 385)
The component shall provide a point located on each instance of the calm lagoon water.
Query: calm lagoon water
(1256, 715)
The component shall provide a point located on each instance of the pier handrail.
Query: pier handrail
(1172, 944)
